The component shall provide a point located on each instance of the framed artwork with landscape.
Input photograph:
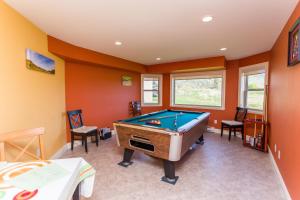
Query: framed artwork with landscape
(39, 62)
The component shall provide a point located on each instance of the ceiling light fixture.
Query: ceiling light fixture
(158, 58)
(118, 43)
(223, 49)
(207, 18)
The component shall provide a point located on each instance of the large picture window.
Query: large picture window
(204, 89)
(151, 89)
(252, 87)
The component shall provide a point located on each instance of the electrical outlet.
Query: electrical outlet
(215, 121)
(279, 155)
(275, 147)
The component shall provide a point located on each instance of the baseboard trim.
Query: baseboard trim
(60, 152)
(64, 148)
(275, 167)
(214, 130)
(218, 131)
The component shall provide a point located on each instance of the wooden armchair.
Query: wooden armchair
(237, 124)
(78, 129)
(135, 108)
(11, 137)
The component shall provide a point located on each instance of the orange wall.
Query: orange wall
(189, 64)
(284, 110)
(231, 94)
(74, 53)
(98, 91)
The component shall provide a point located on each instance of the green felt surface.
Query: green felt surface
(167, 123)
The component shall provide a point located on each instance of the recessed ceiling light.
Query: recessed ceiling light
(118, 43)
(223, 49)
(158, 58)
(207, 18)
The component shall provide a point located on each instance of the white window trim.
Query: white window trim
(253, 69)
(207, 74)
(160, 85)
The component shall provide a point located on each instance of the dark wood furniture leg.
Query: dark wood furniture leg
(76, 195)
(82, 140)
(85, 141)
(242, 132)
(169, 168)
(222, 127)
(229, 134)
(97, 141)
(126, 158)
(72, 141)
(234, 130)
(200, 140)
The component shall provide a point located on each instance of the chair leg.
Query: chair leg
(97, 138)
(85, 141)
(234, 130)
(222, 127)
(72, 141)
(242, 131)
(82, 140)
(229, 137)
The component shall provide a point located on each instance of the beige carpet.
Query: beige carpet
(217, 170)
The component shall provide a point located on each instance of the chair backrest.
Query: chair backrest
(31, 134)
(240, 114)
(136, 108)
(75, 118)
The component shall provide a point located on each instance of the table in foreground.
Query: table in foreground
(170, 140)
(79, 180)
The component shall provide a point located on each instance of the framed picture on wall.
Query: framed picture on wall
(39, 62)
(126, 80)
(294, 44)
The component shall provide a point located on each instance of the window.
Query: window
(151, 90)
(205, 89)
(252, 87)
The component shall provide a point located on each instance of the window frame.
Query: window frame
(160, 82)
(252, 70)
(207, 74)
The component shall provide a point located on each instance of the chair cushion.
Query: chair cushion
(84, 129)
(232, 123)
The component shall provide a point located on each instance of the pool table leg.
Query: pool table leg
(200, 140)
(126, 158)
(169, 168)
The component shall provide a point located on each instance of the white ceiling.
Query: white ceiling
(170, 29)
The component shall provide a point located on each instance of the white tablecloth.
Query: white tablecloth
(78, 171)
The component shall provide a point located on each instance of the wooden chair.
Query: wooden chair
(78, 129)
(32, 134)
(135, 108)
(237, 124)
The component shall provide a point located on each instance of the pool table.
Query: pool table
(169, 140)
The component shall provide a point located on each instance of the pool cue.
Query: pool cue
(168, 116)
(266, 102)
(265, 117)
(255, 128)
